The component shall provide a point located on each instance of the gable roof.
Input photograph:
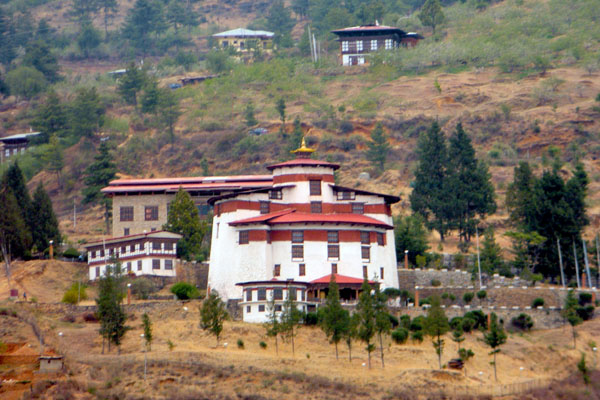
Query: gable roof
(290, 216)
(147, 235)
(241, 32)
(368, 29)
(389, 199)
(340, 279)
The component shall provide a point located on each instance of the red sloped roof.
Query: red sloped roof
(292, 217)
(306, 162)
(340, 279)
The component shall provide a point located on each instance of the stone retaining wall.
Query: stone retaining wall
(409, 278)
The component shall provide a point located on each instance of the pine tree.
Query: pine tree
(45, 227)
(14, 181)
(131, 83)
(147, 324)
(430, 188)
(378, 148)
(144, 21)
(280, 106)
(519, 196)
(290, 317)
(89, 38)
(295, 139)
(495, 338)
(366, 314)
(13, 231)
(110, 310)
(436, 326)
(39, 56)
(52, 157)
(86, 113)
(336, 320)
(300, 7)
(458, 337)
(279, 21)
(273, 325)
(410, 234)
(84, 10)
(176, 14)
(151, 97)
(109, 9)
(431, 14)
(383, 324)
(168, 111)
(51, 117)
(212, 314)
(98, 176)
(491, 253)
(249, 114)
(569, 312)
(183, 219)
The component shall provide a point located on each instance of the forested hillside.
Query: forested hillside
(521, 76)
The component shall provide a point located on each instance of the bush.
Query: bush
(141, 288)
(467, 297)
(311, 319)
(76, 291)
(436, 283)
(240, 344)
(405, 321)
(468, 324)
(346, 126)
(184, 291)
(417, 336)
(456, 322)
(71, 253)
(400, 335)
(262, 344)
(445, 295)
(69, 318)
(394, 321)
(465, 354)
(586, 313)
(417, 323)
(479, 317)
(522, 322)
(482, 294)
(585, 298)
(537, 302)
(90, 317)
(392, 293)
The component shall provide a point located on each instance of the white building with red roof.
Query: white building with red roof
(301, 228)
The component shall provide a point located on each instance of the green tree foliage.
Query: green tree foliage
(431, 14)
(26, 82)
(218, 62)
(366, 314)
(273, 324)
(494, 339)
(458, 336)
(383, 324)
(184, 291)
(144, 22)
(168, 111)
(378, 148)
(13, 231)
(411, 234)
(109, 10)
(147, 324)
(88, 39)
(279, 21)
(304, 44)
(212, 314)
(97, 176)
(14, 182)
(51, 117)
(75, 293)
(183, 219)
(38, 55)
(52, 157)
(351, 333)
(300, 7)
(582, 367)
(249, 114)
(280, 107)
(491, 254)
(84, 10)
(176, 14)
(86, 113)
(436, 326)
(45, 224)
(150, 97)
(131, 83)
(336, 320)
(110, 312)
(570, 313)
(295, 139)
(290, 318)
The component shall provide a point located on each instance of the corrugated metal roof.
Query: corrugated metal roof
(20, 136)
(293, 217)
(367, 28)
(156, 234)
(244, 33)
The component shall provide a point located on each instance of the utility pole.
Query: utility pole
(587, 264)
(562, 272)
(576, 266)
(74, 214)
(598, 261)
(478, 257)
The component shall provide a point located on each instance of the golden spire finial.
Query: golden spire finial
(303, 148)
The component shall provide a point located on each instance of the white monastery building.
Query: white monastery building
(150, 254)
(300, 229)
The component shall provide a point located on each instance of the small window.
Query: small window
(292, 294)
(261, 308)
(334, 269)
(380, 239)
(155, 264)
(126, 213)
(169, 264)
(297, 236)
(168, 245)
(248, 309)
(301, 294)
(156, 246)
(345, 45)
(93, 254)
(316, 207)
(97, 272)
(315, 187)
(374, 44)
(278, 307)
(275, 195)
(278, 294)
(358, 208)
(365, 238)
(139, 265)
(123, 249)
(346, 195)
(389, 44)
(333, 251)
(365, 272)
(151, 213)
(101, 253)
(129, 267)
(277, 270)
(248, 295)
(265, 207)
(297, 251)
(125, 231)
(365, 252)
(333, 237)
(359, 45)
(152, 229)
(381, 272)
(302, 269)
(262, 294)
(244, 237)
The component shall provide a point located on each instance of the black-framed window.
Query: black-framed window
(333, 251)
(248, 295)
(297, 236)
(93, 254)
(139, 265)
(277, 270)
(261, 308)
(262, 294)
(365, 252)
(168, 245)
(381, 273)
(365, 237)
(123, 249)
(302, 269)
(125, 231)
(297, 251)
(358, 208)
(275, 195)
(380, 239)
(97, 272)
(292, 294)
(265, 207)
(248, 309)
(315, 187)
(278, 294)
(365, 271)
(156, 246)
(151, 213)
(126, 213)
(128, 267)
(346, 195)
(316, 207)
(333, 237)
(244, 237)
(334, 268)
(169, 264)
(277, 307)
(155, 264)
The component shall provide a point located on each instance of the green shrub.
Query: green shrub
(585, 313)
(445, 295)
(436, 283)
(262, 345)
(311, 318)
(537, 302)
(465, 354)
(170, 344)
(240, 344)
(393, 320)
(522, 322)
(142, 287)
(400, 335)
(184, 291)
(482, 294)
(405, 321)
(71, 253)
(479, 317)
(585, 298)
(452, 297)
(417, 323)
(417, 336)
(468, 296)
(456, 322)
(75, 292)
(468, 324)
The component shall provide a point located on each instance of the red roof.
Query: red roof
(303, 162)
(189, 184)
(292, 217)
(340, 279)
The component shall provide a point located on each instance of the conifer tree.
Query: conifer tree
(147, 324)
(39, 56)
(383, 324)
(336, 320)
(491, 253)
(290, 317)
(183, 219)
(431, 14)
(51, 117)
(13, 230)
(351, 333)
(109, 302)
(144, 21)
(378, 148)
(168, 111)
(109, 10)
(436, 326)
(131, 83)
(14, 182)
(98, 175)
(366, 314)
(249, 114)
(53, 158)
(45, 227)
(86, 113)
(410, 234)
(212, 314)
(280, 106)
(150, 97)
(495, 338)
(273, 325)
(295, 139)
(570, 313)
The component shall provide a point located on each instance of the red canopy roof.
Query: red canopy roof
(306, 162)
(340, 279)
(292, 217)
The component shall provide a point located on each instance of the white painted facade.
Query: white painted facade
(258, 299)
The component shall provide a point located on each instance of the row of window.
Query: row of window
(277, 294)
(316, 207)
(332, 237)
(333, 252)
(315, 190)
(334, 270)
(155, 246)
(151, 212)
(373, 45)
(261, 308)
(156, 264)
